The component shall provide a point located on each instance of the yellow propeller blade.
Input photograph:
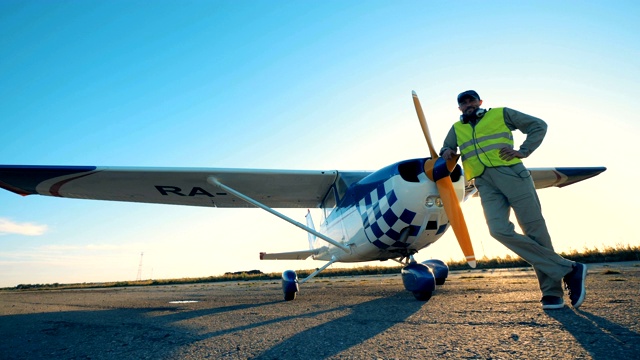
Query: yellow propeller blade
(446, 190)
(456, 218)
(423, 123)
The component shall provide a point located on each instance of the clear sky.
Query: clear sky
(295, 85)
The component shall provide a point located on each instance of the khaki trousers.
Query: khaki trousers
(511, 187)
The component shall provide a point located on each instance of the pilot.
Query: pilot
(487, 150)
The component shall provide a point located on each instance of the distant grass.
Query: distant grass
(595, 255)
(608, 254)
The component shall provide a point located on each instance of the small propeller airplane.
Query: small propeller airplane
(388, 214)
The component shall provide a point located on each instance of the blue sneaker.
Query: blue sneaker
(552, 302)
(574, 281)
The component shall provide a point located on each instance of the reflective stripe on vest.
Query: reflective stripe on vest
(481, 147)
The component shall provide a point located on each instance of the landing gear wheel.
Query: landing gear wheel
(288, 296)
(419, 279)
(290, 285)
(422, 295)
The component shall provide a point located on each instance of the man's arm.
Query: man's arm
(533, 127)
(450, 145)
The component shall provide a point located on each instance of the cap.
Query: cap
(471, 93)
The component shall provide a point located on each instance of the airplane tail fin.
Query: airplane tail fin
(312, 238)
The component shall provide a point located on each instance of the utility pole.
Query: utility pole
(139, 277)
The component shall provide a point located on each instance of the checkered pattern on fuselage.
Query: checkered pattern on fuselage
(384, 219)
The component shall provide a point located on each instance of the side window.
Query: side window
(329, 203)
(341, 187)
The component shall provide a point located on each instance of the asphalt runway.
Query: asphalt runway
(475, 315)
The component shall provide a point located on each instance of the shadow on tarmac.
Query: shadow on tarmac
(602, 338)
(103, 334)
(365, 321)
(142, 333)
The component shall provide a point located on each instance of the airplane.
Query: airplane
(388, 214)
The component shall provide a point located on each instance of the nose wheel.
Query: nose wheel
(419, 279)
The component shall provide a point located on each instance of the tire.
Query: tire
(288, 296)
(440, 281)
(422, 295)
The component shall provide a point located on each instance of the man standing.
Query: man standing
(488, 156)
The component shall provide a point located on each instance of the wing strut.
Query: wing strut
(313, 274)
(212, 180)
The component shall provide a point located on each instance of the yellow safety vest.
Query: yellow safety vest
(480, 146)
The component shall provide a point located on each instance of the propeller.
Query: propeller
(438, 171)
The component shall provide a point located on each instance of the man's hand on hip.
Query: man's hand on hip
(508, 154)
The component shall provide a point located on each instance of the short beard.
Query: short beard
(470, 117)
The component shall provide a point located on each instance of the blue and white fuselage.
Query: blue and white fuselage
(392, 213)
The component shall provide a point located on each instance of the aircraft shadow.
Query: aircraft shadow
(94, 334)
(602, 338)
(134, 333)
(365, 321)
(185, 315)
(137, 333)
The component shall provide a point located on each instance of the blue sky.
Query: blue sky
(295, 85)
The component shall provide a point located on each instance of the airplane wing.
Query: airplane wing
(562, 176)
(549, 177)
(178, 186)
(189, 186)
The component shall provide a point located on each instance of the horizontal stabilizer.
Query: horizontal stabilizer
(292, 255)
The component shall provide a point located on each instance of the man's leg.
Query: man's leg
(528, 211)
(496, 207)
(524, 200)
(548, 285)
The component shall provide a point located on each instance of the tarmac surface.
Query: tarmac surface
(492, 314)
